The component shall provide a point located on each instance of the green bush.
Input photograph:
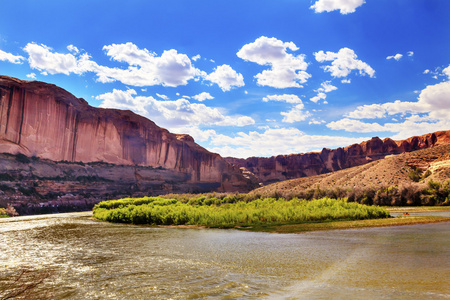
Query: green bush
(217, 212)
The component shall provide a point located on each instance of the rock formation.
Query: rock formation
(45, 121)
(283, 167)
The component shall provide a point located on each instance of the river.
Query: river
(87, 259)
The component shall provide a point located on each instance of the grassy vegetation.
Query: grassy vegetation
(227, 213)
(430, 194)
(305, 227)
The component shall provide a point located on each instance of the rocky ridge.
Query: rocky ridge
(41, 120)
(285, 167)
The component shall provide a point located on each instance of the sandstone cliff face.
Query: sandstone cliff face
(283, 167)
(43, 120)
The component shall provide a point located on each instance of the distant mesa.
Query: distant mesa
(284, 167)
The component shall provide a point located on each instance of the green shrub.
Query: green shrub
(220, 213)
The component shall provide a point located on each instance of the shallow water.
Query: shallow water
(95, 260)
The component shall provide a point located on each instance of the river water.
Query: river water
(96, 260)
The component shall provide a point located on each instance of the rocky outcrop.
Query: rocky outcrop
(45, 121)
(283, 167)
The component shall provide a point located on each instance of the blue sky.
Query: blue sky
(245, 78)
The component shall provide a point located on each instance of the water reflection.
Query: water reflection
(94, 260)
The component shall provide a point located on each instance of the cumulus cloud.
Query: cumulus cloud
(164, 97)
(254, 143)
(344, 6)
(286, 70)
(325, 87)
(410, 53)
(73, 49)
(196, 57)
(397, 56)
(355, 126)
(431, 112)
(15, 59)
(31, 76)
(173, 115)
(288, 98)
(296, 114)
(411, 126)
(203, 96)
(42, 58)
(144, 68)
(446, 72)
(319, 96)
(226, 78)
(343, 63)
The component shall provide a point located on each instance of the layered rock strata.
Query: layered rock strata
(283, 167)
(45, 121)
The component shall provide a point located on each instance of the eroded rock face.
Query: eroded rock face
(43, 120)
(283, 167)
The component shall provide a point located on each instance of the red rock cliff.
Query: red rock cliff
(283, 167)
(44, 120)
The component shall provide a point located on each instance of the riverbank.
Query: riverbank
(415, 209)
(340, 225)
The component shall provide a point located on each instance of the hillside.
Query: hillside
(431, 164)
(283, 167)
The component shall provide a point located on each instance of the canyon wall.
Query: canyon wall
(283, 167)
(43, 120)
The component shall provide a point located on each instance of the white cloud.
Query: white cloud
(226, 78)
(325, 87)
(296, 114)
(436, 100)
(410, 53)
(446, 72)
(346, 81)
(373, 111)
(397, 56)
(196, 57)
(164, 97)
(31, 76)
(73, 49)
(319, 96)
(41, 57)
(344, 6)
(283, 98)
(255, 143)
(430, 113)
(173, 115)
(343, 62)
(426, 71)
(145, 68)
(15, 59)
(355, 126)
(316, 122)
(286, 70)
(203, 96)
(412, 126)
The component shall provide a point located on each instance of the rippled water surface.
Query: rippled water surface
(95, 260)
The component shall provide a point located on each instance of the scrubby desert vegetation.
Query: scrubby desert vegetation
(416, 178)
